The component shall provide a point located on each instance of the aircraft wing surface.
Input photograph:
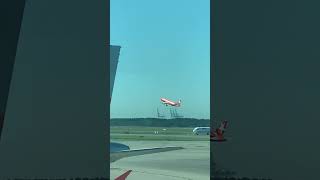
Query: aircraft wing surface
(114, 156)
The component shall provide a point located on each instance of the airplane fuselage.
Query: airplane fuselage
(168, 102)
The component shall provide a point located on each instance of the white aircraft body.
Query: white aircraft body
(169, 102)
(201, 131)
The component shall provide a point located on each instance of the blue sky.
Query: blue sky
(165, 53)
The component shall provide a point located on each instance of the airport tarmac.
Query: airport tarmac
(191, 163)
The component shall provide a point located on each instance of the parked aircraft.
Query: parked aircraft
(171, 103)
(217, 134)
(201, 131)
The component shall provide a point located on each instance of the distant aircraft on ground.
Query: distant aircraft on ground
(201, 131)
(171, 103)
(217, 134)
(117, 150)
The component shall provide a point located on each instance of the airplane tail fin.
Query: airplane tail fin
(179, 102)
(223, 127)
(123, 176)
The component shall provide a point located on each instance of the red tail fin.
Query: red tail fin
(222, 127)
(123, 176)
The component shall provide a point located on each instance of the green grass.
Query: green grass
(149, 130)
(148, 133)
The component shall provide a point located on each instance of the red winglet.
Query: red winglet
(123, 176)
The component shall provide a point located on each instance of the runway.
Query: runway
(191, 163)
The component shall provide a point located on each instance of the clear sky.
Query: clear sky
(165, 53)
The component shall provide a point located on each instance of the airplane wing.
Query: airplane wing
(123, 176)
(114, 156)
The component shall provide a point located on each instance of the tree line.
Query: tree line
(156, 122)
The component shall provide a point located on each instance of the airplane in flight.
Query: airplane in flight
(217, 134)
(118, 150)
(171, 103)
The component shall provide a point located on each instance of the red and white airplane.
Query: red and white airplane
(217, 134)
(171, 103)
